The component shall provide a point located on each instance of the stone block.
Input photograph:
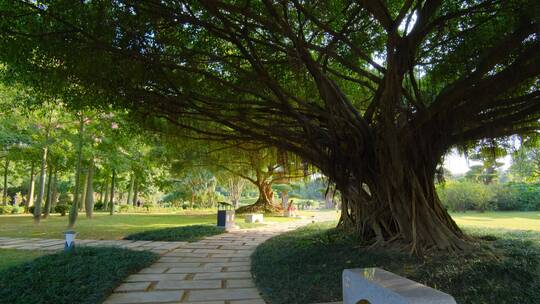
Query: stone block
(222, 275)
(224, 294)
(254, 218)
(242, 283)
(175, 285)
(145, 297)
(375, 285)
(139, 286)
(155, 277)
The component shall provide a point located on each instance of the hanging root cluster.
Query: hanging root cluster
(407, 216)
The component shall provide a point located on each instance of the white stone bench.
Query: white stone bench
(254, 218)
(377, 286)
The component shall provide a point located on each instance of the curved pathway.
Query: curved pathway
(215, 270)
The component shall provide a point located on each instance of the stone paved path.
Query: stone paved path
(215, 270)
(58, 244)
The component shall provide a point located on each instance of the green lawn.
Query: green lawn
(13, 257)
(501, 219)
(191, 233)
(309, 269)
(87, 276)
(103, 226)
(107, 227)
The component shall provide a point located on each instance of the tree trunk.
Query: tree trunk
(48, 196)
(74, 211)
(29, 201)
(329, 198)
(101, 193)
(5, 192)
(111, 201)
(54, 195)
(236, 186)
(105, 201)
(82, 195)
(284, 199)
(41, 190)
(264, 203)
(130, 190)
(136, 191)
(89, 199)
(397, 202)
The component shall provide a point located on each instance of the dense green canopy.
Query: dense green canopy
(372, 92)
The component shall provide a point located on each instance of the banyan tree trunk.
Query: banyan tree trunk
(264, 203)
(398, 204)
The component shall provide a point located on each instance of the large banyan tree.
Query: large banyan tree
(372, 92)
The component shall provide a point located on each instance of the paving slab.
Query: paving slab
(224, 294)
(139, 286)
(222, 275)
(155, 277)
(215, 270)
(186, 284)
(145, 297)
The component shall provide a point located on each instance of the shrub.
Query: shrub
(147, 206)
(31, 209)
(62, 209)
(98, 206)
(16, 210)
(86, 276)
(527, 196)
(124, 208)
(507, 198)
(462, 196)
(5, 209)
(65, 199)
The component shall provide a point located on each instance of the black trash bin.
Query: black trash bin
(225, 215)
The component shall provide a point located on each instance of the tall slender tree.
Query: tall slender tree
(41, 186)
(89, 198)
(74, 211)
(6, 172)
(31, 185)
(111, 200)
(48, 196)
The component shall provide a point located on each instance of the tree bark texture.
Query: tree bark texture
(74, 211)
(30, 198)
(89, 199)
(41, 189)
(264, 203)
(111, 201)
(54, 194)
(130, 190)
(6, 171)
(48, 199)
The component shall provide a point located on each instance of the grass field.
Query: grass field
(311, 265)
(506, 220)
(106, 227)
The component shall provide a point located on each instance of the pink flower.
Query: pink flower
(114, 125)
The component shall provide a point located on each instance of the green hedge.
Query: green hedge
(86, 276)
(464, 195)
